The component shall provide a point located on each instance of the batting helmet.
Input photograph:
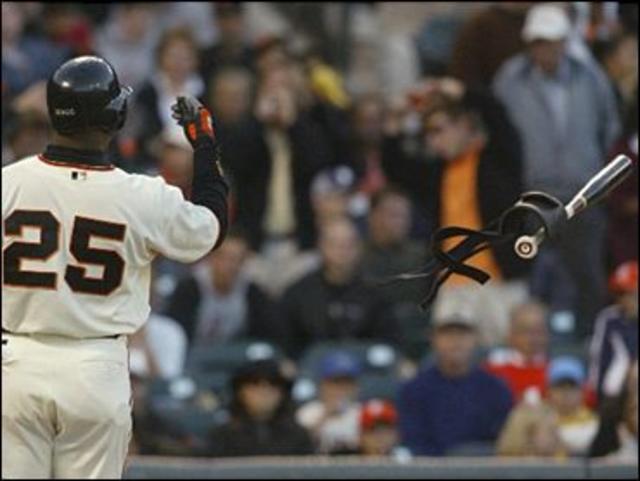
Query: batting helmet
(84, 93)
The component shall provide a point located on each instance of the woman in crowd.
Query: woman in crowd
(261, 422)
(177, 74)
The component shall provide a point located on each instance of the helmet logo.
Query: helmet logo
(65, 112)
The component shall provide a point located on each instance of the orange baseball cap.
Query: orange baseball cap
(625, 277)
(376, 411)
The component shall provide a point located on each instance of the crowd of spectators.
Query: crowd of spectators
(345, 148)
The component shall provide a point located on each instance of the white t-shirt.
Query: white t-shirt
(339, 431)
(78, 243)
(168, 345)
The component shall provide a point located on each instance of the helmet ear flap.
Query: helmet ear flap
(115, 113)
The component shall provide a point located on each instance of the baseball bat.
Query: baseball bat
(598, 187)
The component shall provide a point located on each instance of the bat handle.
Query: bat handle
(598, 187)
(526, 246)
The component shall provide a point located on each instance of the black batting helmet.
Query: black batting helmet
(84, 93)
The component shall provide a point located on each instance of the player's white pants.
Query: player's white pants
(65, 407)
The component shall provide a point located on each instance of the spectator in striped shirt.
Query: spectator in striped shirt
(614, 345)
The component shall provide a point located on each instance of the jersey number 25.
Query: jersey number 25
(75, 275)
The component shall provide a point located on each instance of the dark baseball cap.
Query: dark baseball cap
(265, 369)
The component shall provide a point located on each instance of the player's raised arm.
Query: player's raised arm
(209, 187)
(187, 230)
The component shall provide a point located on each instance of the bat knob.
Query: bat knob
(526, 247)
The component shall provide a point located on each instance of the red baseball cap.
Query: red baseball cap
(376, 411)
(625, 277)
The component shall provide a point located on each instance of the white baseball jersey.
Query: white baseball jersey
(78, 243)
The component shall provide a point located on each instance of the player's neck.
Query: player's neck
(95, 141)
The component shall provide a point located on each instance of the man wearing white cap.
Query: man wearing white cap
(545, 30)
(565, 112)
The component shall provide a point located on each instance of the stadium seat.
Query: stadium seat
(159, 387)
(216, 381)
(171, 394)
(378, 386)
(227, 357)
(195, 421)
(374, 357)
(413, 325)
(576, 348)
(476, 449)
(304, 389)
(212, 366)
(372, 386)
(189, 421)
(169, 403)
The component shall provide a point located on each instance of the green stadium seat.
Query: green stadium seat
(474, 449)
(374, 357)
(413, 327)
(216, 381)
(576, 349)
(379, 386)
(229, 356)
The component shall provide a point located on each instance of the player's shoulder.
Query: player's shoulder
(19, 165)
(146, 184)
(151, 193)
(151, 181)
(511, 70)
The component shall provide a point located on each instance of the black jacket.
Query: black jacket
(314, 310)
(245, 437)
(248, 161)
(499, 173)
(216, 58)
(261, 322)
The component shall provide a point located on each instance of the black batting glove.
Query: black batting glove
(195, 119)
(200, 130)
(208, 187)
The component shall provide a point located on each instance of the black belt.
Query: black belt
(5, 331)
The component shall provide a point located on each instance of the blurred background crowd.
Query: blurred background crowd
(349, 133)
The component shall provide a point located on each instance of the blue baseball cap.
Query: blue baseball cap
(339, 364)
(565, 368)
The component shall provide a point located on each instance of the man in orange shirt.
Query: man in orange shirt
(479, 177)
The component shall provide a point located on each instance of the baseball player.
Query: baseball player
(79, 236)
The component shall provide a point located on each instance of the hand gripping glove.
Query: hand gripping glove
(195, 119)
(199, 126)
(209, 188)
